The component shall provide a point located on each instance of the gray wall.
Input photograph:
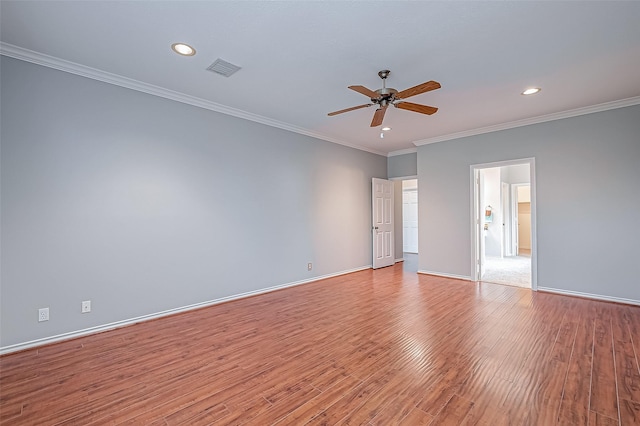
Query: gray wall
(143, 204)
(405, 165)
(588, 202)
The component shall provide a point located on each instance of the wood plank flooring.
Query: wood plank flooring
(383, 347)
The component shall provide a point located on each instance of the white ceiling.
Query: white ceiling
(298, 57)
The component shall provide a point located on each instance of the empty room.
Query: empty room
(204, 213)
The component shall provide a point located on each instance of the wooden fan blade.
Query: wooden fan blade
(422, 109)
(348, 109)
(416, 90)
(378, 116)
(367, 92)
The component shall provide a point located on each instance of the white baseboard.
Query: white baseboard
(400, 260)
(442, 274)
(105, 327)
(590, 296)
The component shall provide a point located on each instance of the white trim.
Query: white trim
(38, 58)
(400, 260)
(505, 163)
(534, 224)
(402, 152)
(533, 120)
(20, 53)
(590, 296)
(443, 274)
(476, 262)
(105, 327)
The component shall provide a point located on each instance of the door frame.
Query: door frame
(399, 222)
(475, 216)
(477, 225)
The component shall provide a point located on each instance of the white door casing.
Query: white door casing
(479, 221)
(382, 215)
(476, 230)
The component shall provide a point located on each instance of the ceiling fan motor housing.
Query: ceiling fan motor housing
(386, 93)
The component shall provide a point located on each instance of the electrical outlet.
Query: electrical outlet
(43, 314)
(86, 306)
(309, 266)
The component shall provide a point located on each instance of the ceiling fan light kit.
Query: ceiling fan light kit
(388, 96)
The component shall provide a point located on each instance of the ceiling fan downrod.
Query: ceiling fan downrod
(385, 94)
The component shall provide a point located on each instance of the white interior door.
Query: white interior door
(481, 232)
(506, 220)
(514, 220)
(382, 214)
(410, 221)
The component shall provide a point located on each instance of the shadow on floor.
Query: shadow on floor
(410, 263)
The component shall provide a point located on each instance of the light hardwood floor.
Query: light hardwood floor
(383, 347)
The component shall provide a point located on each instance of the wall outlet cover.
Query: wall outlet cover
(43, 314)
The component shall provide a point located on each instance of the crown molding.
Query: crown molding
(533, 120)
(27, 55)
(38, 58)
(402, 152)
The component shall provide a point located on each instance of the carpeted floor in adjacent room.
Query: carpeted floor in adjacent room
(512, 270)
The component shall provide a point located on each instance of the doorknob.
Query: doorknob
(375, 227)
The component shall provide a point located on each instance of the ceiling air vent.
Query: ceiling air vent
(223, 67)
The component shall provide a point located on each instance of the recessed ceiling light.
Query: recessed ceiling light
(531, 91)
(183, 49)
(386, 129)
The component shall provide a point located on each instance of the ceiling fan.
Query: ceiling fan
(388, 96)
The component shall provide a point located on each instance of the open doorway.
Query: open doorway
(504, 223)
(406, 227)
(410, 216)
(410, 224)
